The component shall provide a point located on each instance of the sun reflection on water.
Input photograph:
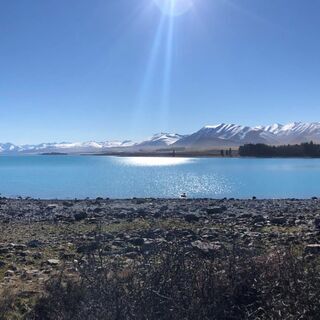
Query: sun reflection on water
(153, 161)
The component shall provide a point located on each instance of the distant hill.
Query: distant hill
(236, 135)
(208, 137)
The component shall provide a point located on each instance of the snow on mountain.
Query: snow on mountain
(160, 140)
(235, 135)
(221, 135)
(8, 147)
(64, 147)
(297, 132)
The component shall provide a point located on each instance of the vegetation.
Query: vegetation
(263, 150)
(172, 282)
(227, 152)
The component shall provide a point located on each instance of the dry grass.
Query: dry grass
(176, 283)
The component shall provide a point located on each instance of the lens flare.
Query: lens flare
(174, 7)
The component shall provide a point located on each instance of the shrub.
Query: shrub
(180, 283)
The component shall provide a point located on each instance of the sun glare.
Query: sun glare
(174, 7)
(153, 161)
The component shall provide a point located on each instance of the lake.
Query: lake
(115, 177)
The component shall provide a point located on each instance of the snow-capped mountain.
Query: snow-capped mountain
(222, 135)
(235, 135)
(297, 132)
(8, 147)
(64, 147)
(159, 140)
(226, 135)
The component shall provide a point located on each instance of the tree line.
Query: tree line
(308, 149)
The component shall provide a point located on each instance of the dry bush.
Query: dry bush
(179, 283)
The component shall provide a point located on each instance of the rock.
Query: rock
(4, 250)
(206, 247)
(141, 213)
(37, 255)
(278, 220)
(52, 206)
(191, 217)
(137, 241)
(20, 247)
(2, 264)
(317, 222)
(87, 248)
(9, 273)
(216, 209)
(245, 215)
(80, 216)
(312, 249)
(53, 262)
(61, 217)
(34, 244)
(258, 218)
(67, 204)
(131, 254)
(148, 245)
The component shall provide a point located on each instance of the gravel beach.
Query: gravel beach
(39, 238)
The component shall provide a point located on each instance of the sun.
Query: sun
(174, 7)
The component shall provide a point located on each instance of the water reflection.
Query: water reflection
(153, 161)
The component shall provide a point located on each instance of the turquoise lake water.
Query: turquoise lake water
(93, 176)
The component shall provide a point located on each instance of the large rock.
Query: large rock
(137, 241)
(53, 262)
(206, 247)
(18, 246)
(312, 249)
(216, 209)
(80, 216)
(317, 222)
(34, 243)
(278, 221)
(191, 217)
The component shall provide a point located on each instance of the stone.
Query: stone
(9, 273)
(191, 217)
(52, 206)
(206, 247)
(4, 250)
(312, 249)
(34, 244)
(18, 246)
(317, 222)
(137, 241)
(67, 204)
(53, 262)
(216, 209)
(80, 216)
(258, 218)
(278, 220)
(245, 215)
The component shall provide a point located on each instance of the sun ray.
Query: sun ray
(167, 73)
(162, 44)
(150, 70)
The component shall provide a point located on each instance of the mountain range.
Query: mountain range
(221, 135)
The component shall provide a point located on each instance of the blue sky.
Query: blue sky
(115, 69)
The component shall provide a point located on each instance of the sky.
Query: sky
(81, 70)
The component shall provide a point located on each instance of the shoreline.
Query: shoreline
(41, 238)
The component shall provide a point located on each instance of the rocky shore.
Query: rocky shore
(39, 238)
